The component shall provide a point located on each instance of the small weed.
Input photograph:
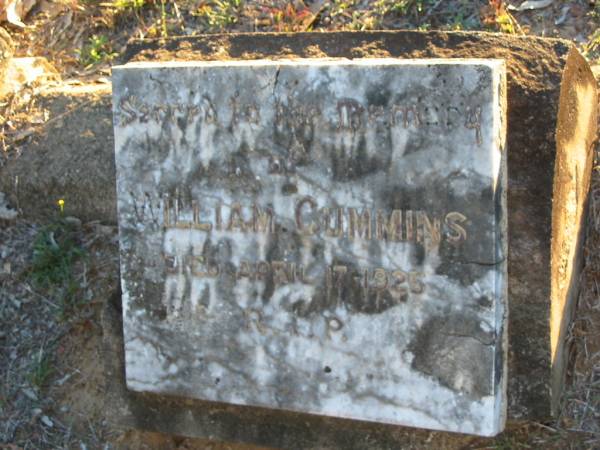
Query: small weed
(55, 252)
(402, 8)
(364, 20)
(220, 14)
(41, 369)
(496, 17)
(338, 7)
(98, 50)
(291, 18)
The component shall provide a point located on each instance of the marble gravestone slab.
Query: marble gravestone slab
(323, 236)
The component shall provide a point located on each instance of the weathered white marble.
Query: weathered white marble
(325, 236)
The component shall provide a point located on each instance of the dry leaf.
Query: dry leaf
(14, 11)
(531, 4)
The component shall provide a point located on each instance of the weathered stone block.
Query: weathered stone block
(321, 236)
(551, 93)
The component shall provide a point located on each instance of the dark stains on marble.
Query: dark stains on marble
(455, 350)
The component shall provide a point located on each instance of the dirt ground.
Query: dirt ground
(51, 370)
(81, 38)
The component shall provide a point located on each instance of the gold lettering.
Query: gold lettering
(235, 218)
(129, 110)
(262, 221)
(196, 224)
(194, 263)
(365, 285)
(244, 270)
(349, 113)
(312, 229)
(360, 225)
(407, 112)
(473, 122)
(291, 270)
(166, 211)
(431, 228)
(390, 229)
(380, 279)
(262, 270)
(182, 224)
(280, 275)
(210, 113)
(338, 230)
(419, 233)
(213, 271)
(452, 221)
(301, 275)
(408, 221)
(398, 278)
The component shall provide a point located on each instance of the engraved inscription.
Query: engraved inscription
(296, 117)
(371, 283)
(352, 223)
(374, 287)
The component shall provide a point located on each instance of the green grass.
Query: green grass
(41, 369)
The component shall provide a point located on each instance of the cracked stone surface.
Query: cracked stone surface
(323, 236)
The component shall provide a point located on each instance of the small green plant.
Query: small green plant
(97, 50)
(41, 369)
(497, 17)
(220, 14)
(402, 8)
(338, 7)
(364, 21)
(55, 252)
